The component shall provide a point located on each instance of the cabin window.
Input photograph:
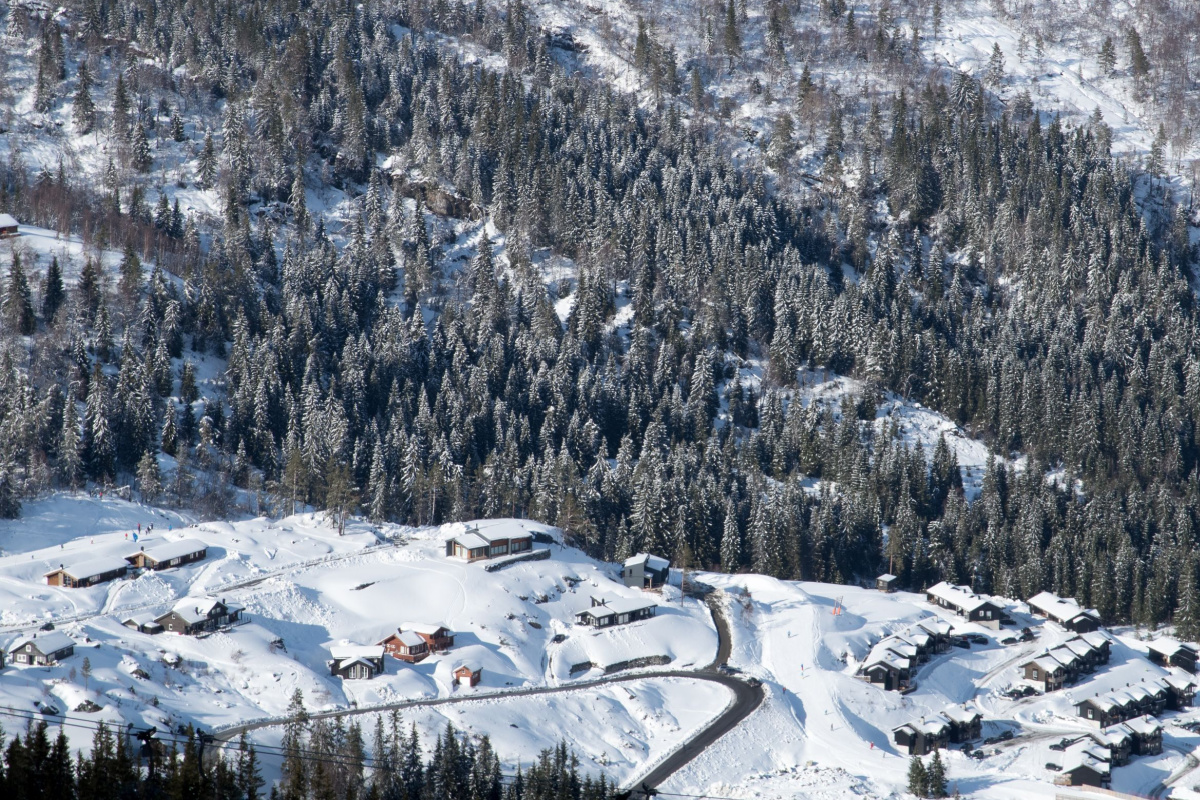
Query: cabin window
(1035, 674)
(1091, 713)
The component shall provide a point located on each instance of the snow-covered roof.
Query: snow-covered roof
(961, 714)
(1079, 647)
(1169, 647)
(144, 618)
(1064, 609)
(1046, 662)
(887, 576)
(408, 638)
(937, 725)
(472, 540)
(1088, 760)
(958, 596)
(7, 220)
(1114, 735)
(349, 652)
(1096, 639)
(622, 605)
(1065, 655)
(197, 609)
(83, 570)
(471, 664)
(935, 626)
(168, 550)
(656, 563)
(1145, 725)
(427, 628)
(1179, 681)
(49, 643)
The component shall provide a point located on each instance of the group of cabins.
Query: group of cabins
(894, 660)
(101, 570)
(363, 662)
(414, 641)
(953, 725)
(972, 607)
(1094, 755)
(1063, 664)
(1150, 697)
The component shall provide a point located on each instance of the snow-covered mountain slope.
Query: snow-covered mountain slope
(305, 588)
(824, 733)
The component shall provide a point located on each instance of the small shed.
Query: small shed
(469, 672)
(886, 582)
(143, 623)
(8, 226)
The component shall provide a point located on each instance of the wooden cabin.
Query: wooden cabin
(476, 545)
(169, 554)
(645, 571)
(87, 573)
(606, 612)
(193, 615)
(962, 601)
(8, 226)
(356, 662)
(407, 646)
(42, 651)
(886, 583)
(1172, 653)
(1065, 611)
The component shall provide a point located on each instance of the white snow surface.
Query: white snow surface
(305, 589)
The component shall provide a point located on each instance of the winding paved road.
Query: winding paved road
(747, 696)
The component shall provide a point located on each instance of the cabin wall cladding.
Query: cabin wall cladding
(531, 555)
(619, 666)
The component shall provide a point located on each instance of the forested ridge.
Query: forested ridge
(994, 265)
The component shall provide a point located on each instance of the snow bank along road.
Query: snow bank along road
(746, 697)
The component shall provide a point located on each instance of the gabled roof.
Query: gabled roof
(1079, 647)
(620, 605)
(1061, 608)
(476, 538)
(961, 714)
(470, 664)
(342, 663)
(1096, 639)
(1169, 647)
(1145, 725)
(407, 638)
(656, 563)
(887, 576)
(82, 570)
(1065, 655)
(1114, 735)
(959, 596)
(7, 220)
(935, 626)
(144, 618)
(350, 652)
(165, 551)
(1045, 662)
(198, 609)
(46, 644)
(427, 628)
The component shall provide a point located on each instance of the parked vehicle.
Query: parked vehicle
(1053, 767)
(1006, 736)
(977, 638)
(960, 641)
(1009, 640)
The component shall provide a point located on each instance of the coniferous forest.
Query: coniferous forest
(318, 760)
(991, 263)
